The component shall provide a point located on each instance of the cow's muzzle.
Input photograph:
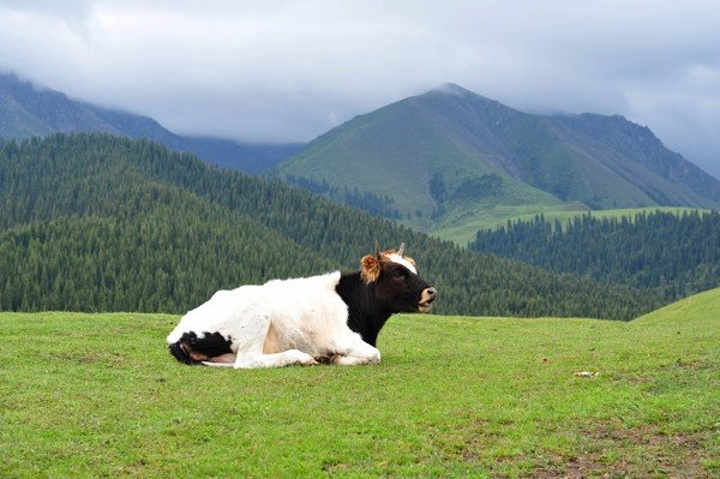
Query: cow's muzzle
(427, 298)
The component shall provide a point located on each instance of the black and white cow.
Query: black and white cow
(331, 318)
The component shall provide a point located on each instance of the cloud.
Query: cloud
(289, 70)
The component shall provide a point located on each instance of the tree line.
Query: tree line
(673, 255)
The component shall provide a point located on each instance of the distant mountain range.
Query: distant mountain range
(27, 110)
(445, 156)
(447, 160)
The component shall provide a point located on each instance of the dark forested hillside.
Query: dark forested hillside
(673, 255)
(167, 251)
(92, 221)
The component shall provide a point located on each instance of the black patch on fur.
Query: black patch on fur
(210, 345)
(371, 305)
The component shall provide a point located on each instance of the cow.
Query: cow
(332, 318)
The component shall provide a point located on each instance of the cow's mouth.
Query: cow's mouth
(426, 306)
(426, 299)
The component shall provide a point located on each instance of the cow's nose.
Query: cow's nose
(430, 294)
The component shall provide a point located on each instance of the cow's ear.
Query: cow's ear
(370, 268)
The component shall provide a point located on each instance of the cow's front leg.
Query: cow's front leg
(357, 360)
(353, 351)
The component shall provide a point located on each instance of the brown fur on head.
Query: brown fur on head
(371, 265)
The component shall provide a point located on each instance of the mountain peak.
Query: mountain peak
(452, 89)
(456, 91)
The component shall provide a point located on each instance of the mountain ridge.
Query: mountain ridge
(29, 110)
(641, 143)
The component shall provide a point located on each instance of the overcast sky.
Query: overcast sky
(274, 70)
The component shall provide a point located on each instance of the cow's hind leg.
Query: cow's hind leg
(275, 360)
(224, 360)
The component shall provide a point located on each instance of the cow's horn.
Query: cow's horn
(377, 249)
(401, 249)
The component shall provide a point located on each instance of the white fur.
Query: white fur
(396, 258)
(307, 317)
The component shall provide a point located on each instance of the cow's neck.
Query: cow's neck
(366, 315)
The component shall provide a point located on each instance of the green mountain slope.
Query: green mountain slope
(449, 154)
(639, 143)
(120, 200)
(27, 110)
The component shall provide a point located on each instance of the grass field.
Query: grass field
(630, 213)
(466, 228)
(98, 396)
(463, 227)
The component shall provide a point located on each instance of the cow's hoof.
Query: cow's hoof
(326, 359)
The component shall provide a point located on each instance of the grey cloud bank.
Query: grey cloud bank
(289, 70)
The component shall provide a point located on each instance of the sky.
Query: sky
(288, 71)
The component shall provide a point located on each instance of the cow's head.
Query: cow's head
(398, 286)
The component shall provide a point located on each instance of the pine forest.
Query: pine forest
(671, 255)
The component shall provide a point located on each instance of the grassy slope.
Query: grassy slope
(499, 216)
(464, 229)
(97, 395)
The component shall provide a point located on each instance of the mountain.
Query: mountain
(100, 222)
(26, 110)
(449, 154)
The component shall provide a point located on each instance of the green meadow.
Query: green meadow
(463, 229)
(97, 395)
